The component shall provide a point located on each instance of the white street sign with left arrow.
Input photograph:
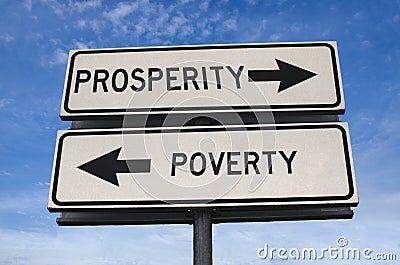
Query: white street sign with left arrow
(294, 164)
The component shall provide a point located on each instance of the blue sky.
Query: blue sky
(35, 37)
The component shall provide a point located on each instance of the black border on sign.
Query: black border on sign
(210, 108)
(156, 203)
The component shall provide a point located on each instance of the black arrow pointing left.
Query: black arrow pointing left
(107, 166)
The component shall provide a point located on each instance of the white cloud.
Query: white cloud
(388, 59)
(204, 5)
(81, 45)
(5, 101)
(215, 17)
(81, 24)
(27, 4)
(230, 24)
(55, 42)
(56, 7)
(43, 184)
(122, 10)
(365, 118)
(252, 2)
(59, 57)
(37, 36)
(32, 201)
(61, 8)
(133, 245)
(366, 43)
(325, 33)
(81, 6)
(282, 2)
(205, 32)
(7, 38)
(179, 25)
(5, 173)
(275, 37)
(183, 2)
(295, 28)
(356, 17)
(263, 24)
(159, 22)
(93, 24)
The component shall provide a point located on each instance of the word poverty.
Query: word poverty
(237, 163)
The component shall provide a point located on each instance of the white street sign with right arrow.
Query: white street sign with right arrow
(281, 77)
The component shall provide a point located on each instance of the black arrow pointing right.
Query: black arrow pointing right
(107, 166)
(288, 75)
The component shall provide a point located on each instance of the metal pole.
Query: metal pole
(202, 237)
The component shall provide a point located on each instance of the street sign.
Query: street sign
(281, 77)
(260, 165)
